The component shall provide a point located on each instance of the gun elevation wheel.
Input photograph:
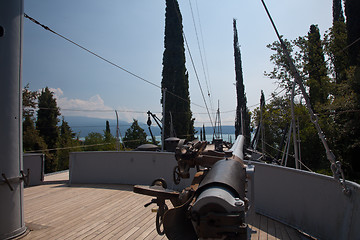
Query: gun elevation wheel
(159, 219)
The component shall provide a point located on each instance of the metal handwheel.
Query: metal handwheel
(159, 219)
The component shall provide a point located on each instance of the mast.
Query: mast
(11, 164)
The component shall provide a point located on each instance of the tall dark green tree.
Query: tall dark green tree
(204, 133)
(107, 133)
(338, 14)
(109, 139)
(174, 75)
(46, 124)
(316, 69)
(47, 118)
(242, 119)
(31, 138)
(336, 43)
(29, 101)
(352, 10)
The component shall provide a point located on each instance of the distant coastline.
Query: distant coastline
(82, 126)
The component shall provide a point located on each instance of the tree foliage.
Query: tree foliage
(61, 137)
(174, 75)
(242, 120)
(281, 73)
(134, 136)
(31, 138)
(316, 69)
(276, 118)
(66, 143)
(47, 117)
(334, 91)
(335, 43)
(29, 101)
(100, 142)
(352, 9)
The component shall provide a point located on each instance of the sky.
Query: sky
(131, 35)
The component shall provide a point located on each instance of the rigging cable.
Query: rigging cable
(201, 56)
(338, 173)
(104, 59)
(193, 64)
(203, 45)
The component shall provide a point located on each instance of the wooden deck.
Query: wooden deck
(56, 210)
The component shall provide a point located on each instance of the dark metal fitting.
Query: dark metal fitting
(7, 181)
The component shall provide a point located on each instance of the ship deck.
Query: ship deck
(57, 210)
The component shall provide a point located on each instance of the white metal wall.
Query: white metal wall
(124, 168)
(310, 202)
(35, 163)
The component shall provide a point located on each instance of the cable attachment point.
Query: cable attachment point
(338, 174)
(26, 177)
(7, 181)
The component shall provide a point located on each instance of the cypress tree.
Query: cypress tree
(175, 76)
(31, 137)
(337, 11)
(203, 132)
(352, 10)
(315, 66)
(107, 133)
(46, 124)
(242, 112)
(338, 42)
(107, 128)
(48, 118)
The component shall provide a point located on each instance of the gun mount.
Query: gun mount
(215, 203)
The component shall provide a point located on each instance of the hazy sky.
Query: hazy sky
(131, 34)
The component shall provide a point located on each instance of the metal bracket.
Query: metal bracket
(23, 177)
(7, 181)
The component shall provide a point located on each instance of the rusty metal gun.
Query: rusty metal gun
(215, 203)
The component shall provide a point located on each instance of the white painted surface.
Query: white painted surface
(11, 201)
(131, 167)
(35, 164)
(310, 202)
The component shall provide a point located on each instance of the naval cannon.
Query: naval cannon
(214, 205)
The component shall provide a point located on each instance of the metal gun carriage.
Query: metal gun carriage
(214, 205)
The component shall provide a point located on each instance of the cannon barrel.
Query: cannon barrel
(219, 209)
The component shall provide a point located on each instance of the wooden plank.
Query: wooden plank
(98, 211)
(293, 233)
(263, 228)
(115, 221)
(271, 231)
(278, 231)
(254, 221)
(145, 229)
(284, 233)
